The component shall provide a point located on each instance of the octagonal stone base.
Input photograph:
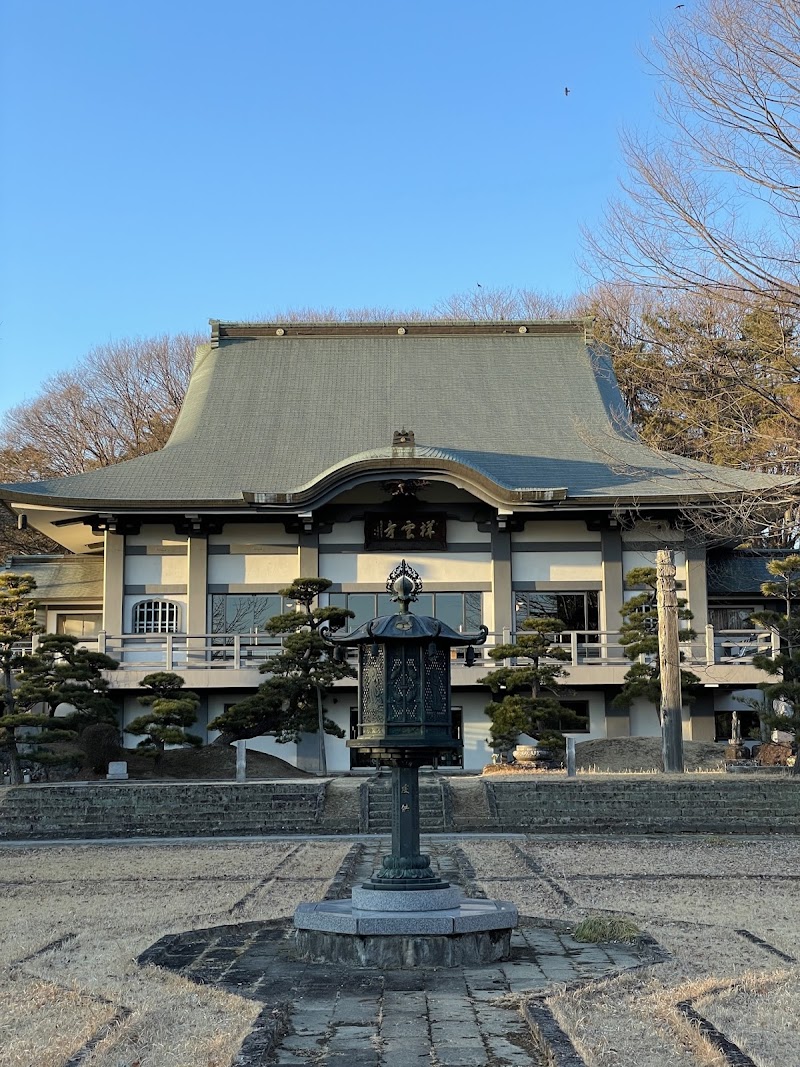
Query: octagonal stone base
(472, 932)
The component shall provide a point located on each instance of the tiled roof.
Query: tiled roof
(61, 577)
(271, 414)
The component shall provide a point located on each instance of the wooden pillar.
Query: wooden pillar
(502, 601)
(308, 554)
(113, 582)
(197, 584)
(618, 720)
(613, 581)
(669, 663)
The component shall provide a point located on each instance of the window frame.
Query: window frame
(162, 611)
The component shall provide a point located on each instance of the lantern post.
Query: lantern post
(404, 715)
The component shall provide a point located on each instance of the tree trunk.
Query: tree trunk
(669, 657)
(15, 767)
(9, 707)
(323, 760)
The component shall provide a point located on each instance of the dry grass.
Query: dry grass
(692, 895)
(102, 906)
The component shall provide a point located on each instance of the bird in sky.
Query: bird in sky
(566, 92)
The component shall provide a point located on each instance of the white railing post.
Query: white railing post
(573, 647)
(711, 656)
(237, 651)
(169, 652)
(507, 639)
(775, 642)
(101, 641)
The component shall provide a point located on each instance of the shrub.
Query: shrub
(101, 744)
(601, 928)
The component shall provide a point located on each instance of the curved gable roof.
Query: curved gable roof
(293, 415)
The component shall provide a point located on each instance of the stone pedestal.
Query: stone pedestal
(448, 932)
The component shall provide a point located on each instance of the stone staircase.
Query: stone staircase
(434, 815)
(679, 804)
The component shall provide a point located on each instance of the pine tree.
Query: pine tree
(17, 624)
(290, 702)
(530, 705)
(60, 672)
(639, 638)
(785, 665)
(171, 709)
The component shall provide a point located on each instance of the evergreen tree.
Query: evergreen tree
(59, 672)
(782, 695)
(17, 624)
(530, 705)
(171, 709)
(639, 638)
(290, 702)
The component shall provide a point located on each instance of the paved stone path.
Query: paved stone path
(346, 1017)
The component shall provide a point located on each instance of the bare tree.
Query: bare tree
(120, 401)
(714, 202)
(705, 376)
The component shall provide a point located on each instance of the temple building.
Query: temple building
(497, 458)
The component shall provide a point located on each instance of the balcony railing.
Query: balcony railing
(586, 648)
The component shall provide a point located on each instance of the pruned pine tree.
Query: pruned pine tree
(57, 673)
(526, 694)
(291, 701)
(171, 708)
(17, 624)
(639, 638)
(783, 694)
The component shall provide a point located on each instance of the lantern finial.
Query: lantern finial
(405, 585)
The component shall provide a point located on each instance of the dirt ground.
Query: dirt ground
(621, 754)
(75, 917)
(210, 763)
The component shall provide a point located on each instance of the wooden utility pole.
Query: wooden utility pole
(669, 659)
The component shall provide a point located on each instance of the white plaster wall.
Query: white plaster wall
(337, 753)
(729, 702)
(644, 720)
(467, 532)
(373, 567)
(556, 531)
(476, 728)
(259, 568)
(156, 570)
(253, 533)
(556, 566)
(153, 534)
(631, 559)
(343, 533)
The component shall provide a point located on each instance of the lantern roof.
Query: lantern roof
(405, 626)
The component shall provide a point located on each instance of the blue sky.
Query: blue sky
(171, 161)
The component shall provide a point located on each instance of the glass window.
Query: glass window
(461, 611)
(155, 617)
(578, 611)
(79, 625)
(732, 618)
(244, 613)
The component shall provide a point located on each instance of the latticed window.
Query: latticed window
(155, 617)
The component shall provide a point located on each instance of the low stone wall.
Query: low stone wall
(679, 804)
(160, 809)
(691, 804)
